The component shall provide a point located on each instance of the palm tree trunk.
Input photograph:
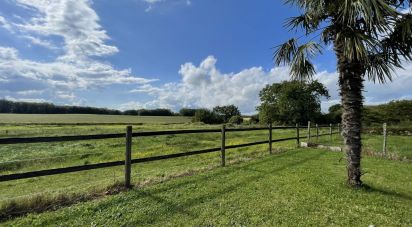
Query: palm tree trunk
(351, 94)
(351, 85)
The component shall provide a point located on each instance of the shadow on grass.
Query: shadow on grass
(174, 206)
(238, 166)
(369, 188)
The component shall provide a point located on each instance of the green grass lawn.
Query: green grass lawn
(295, 188)
(87, 119)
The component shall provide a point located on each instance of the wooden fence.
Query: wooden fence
(128, 161)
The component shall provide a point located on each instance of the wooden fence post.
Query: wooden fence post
(297, 135)
(317, 133)
(270, 138)
(330, 132)
(385, 135)
(128, 157)
(308, 132)
(338, 130)
(222, 148)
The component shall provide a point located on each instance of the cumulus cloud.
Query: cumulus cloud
(81, 39)
(205, 86)
(73, 20)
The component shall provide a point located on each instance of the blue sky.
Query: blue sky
(153, 53)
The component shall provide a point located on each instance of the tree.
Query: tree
(226, 112)
(335, 113)
(206, 116)
(370, 38)
(291, 102)
(187, 112)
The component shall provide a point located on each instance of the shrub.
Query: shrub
(236, 120)
(206, 116)
(187, 112)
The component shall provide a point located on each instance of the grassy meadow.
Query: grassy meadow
(303, 187)
(28, 157)
(60, 189)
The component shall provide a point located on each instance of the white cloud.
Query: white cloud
(63, 75)
(25, 99)
(152, 3)
(8, 53)
(76, 25)
(73, 20)
(5, 24)
(40, 42)
(133, 105)
(206, 86)
(30, 92)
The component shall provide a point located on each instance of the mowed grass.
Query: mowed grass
(87, 119)
(302, 187)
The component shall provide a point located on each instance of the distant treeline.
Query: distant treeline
(7, 106)
(394, 112)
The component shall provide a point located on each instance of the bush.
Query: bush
(208, 117)
(254, 119)
(187, 112)
(236, 120)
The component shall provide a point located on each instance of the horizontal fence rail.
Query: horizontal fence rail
(129, 135)
(59, 138)
(49, 139)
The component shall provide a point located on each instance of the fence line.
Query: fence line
(128, 161)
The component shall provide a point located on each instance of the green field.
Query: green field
(88, 119)
(48, 190)
(29, 157)
(302, 187)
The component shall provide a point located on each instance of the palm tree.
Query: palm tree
(371, 38)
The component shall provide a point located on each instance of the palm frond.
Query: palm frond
(308, 22)
(375, 34)
(357, 46)
(370, 15)
(297, 57)
(380, 67)
(394, 49)
(399, 42)
(284, 53)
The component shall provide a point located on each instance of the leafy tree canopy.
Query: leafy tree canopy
(206, 116)
(226, 112)
(290, 102)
